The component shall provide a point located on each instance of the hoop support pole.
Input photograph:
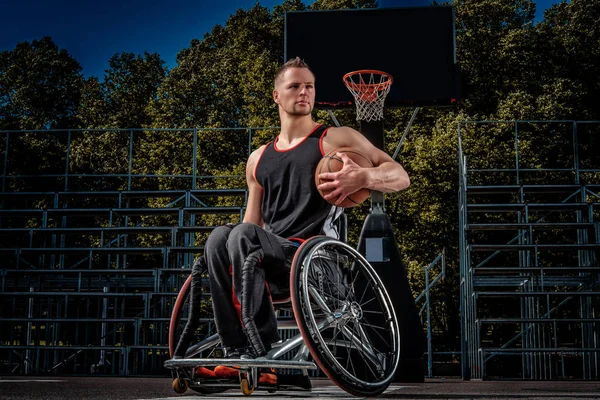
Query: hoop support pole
(332, 115)
(406, 130)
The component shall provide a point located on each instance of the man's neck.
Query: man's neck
(295, 128)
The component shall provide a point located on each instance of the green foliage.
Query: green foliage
(484, 33)
(120, 100)
(40, 86)
(342, 4)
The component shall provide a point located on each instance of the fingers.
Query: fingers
(335, 195)
(343, 156)
(333, 180)
(327, 176)
(340, 200)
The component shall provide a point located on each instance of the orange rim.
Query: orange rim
(368, 88)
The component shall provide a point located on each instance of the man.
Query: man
(283, 203)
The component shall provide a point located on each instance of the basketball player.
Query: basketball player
(284, 207)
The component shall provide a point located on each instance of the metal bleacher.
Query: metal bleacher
(90, 265)
(529, 241)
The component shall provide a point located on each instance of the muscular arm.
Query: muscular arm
(386, 176)
(255, 191)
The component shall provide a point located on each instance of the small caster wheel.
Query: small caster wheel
(271, 391)
(180, 385)
(247, 390)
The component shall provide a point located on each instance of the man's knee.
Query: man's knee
(215, 249)
(243, 232)
(217, 238)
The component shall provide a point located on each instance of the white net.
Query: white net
(369, 89)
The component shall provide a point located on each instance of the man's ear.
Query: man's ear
(275, 96)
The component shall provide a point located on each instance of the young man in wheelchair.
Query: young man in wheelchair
(284, 208)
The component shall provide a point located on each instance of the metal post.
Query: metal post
(517, 151)
(194, 158)
(576, 152)
(333, 118)
(427, 298)
(5, 172)
(463, 290)
(104, 329)
(406, 130)
(130, 160)
(27, 361)
(67, 160)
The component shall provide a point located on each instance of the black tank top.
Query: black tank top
(292, 205)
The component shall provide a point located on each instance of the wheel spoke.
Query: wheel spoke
(361, 342)
(340, 290)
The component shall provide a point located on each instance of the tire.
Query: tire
(345, 316)
(179, 317)
(176, 325)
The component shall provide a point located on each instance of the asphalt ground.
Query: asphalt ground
(78, 388)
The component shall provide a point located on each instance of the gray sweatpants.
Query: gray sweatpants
(226, 251)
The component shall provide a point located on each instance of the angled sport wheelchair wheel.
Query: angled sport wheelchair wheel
(179, 316)
(205, 328)
(345, 316)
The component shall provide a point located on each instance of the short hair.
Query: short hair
(292, 63)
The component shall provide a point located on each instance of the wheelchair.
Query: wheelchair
(341, 321)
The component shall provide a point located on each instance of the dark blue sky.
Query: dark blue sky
(93, 31)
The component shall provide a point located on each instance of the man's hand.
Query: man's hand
(344, 182)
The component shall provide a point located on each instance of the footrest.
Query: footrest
(233, 362)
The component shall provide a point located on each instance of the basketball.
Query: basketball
(332, 163)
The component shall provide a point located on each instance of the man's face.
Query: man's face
(295, 91)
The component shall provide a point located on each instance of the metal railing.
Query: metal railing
(528, 238)
(72, 150)
(93, 253)
(426, 306)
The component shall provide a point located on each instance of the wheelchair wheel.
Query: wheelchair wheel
(206, 328)
(345, 316)
(179, 318)
(176, 324)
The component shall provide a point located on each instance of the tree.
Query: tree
(223, 81)
(342, 4)
(482, 29)
(120, 100)
(40, 86)
(572, 57)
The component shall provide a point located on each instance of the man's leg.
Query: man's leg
(244, 242)
(218, 261)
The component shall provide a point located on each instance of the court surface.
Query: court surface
(79, 388)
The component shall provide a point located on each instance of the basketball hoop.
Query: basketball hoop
(369, 88)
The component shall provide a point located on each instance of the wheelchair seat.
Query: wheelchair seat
(281, 296)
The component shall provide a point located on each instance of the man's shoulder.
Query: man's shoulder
(339, 136)
(255, 155)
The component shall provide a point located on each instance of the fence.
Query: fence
(529, 224)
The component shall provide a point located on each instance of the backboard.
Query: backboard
(416, 45)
